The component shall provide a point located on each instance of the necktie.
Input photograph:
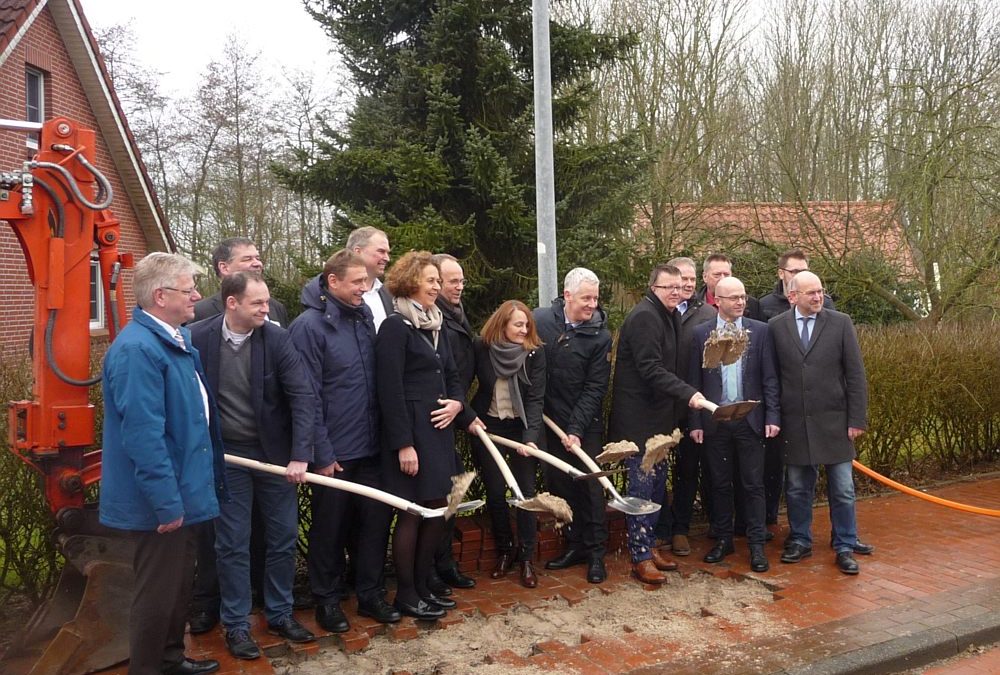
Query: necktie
(805, 330)
(729, 373)
(180, 339)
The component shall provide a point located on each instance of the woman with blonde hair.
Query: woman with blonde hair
(510, 367)
(419, 396)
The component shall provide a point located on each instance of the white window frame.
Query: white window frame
(97, 313)
(32, 139)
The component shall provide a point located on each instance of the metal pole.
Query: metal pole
(545, 192)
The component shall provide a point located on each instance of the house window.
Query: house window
(96, 294)
(34, 97)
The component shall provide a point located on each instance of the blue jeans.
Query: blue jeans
(651, 486)
(278, 503)
(800, 488)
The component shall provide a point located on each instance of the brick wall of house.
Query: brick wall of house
(42, 48)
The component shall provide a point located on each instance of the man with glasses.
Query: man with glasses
(752, 377)
(824, 404)
(790, 263)
(647, 390)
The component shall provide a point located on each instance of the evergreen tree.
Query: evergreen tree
(439, 148)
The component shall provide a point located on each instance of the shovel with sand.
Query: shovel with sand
(633, 506)
(541, 503)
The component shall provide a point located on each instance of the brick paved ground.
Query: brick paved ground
(931, 589)
(978, 663)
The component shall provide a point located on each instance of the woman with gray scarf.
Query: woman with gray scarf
(510, 367)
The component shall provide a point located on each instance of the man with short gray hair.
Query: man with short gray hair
(577, 349)
(162, 465)
(372, 244)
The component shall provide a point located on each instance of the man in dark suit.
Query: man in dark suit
(266, 407)
(824, 403)
(752, 377)
(647, 387)
(372, 245)
(237, 254)
(446, 574)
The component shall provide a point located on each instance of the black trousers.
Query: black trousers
(589, 529)
(444, 561)
(333, 513)
(524, 470)
(774, 479)
(164, 573)
(727, 442)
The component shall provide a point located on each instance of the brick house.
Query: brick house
(50, 66)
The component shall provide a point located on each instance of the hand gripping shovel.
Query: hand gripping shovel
(633, 506)
(729, 412)
(363, 490)
(544, 505)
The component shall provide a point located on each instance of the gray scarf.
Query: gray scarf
(508, 360)
(429, 320)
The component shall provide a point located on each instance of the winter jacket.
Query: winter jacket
(579, 368)
(161, 458)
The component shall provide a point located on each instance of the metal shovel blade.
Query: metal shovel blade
(734, 411)
(634, 506)
(472, 505)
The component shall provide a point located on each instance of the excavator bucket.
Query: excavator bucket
(83, 628)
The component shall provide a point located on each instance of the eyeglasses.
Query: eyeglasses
(669, 289)
(736, 298)
(813, 294)
(185, 291)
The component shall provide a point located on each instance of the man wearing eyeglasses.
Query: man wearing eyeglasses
(824, 405)
(647, 387)
(790, 263)
(752, 377)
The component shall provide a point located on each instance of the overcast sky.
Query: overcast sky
(179, 37)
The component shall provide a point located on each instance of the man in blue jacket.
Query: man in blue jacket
(162, 459)
(336, 337)
(266, 408)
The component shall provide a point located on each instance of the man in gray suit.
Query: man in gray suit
(824, 402)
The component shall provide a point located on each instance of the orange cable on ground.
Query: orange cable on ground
(916, 493)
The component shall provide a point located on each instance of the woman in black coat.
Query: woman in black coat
(510, 367)
(419, 396)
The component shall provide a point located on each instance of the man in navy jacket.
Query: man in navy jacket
(266, 413)
(336, 337)
(753, 377)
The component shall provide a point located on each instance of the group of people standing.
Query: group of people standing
(370, 383)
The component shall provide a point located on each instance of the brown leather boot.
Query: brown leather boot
(647, 573)
(662, 563)
(504, 563)
(528, 578)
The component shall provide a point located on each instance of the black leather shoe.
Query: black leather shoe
(421, 610)
(437, 586)
(570, 558)
(847, 563)
(380, 610)
(456, 579)
(291, 630)
(758, 561)
(192, 667)
(794, 552)
(241, 645)
(862, 548)
(433, 599)
(331, 618)
(202, 622)
(596, 572)
(722, 548)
